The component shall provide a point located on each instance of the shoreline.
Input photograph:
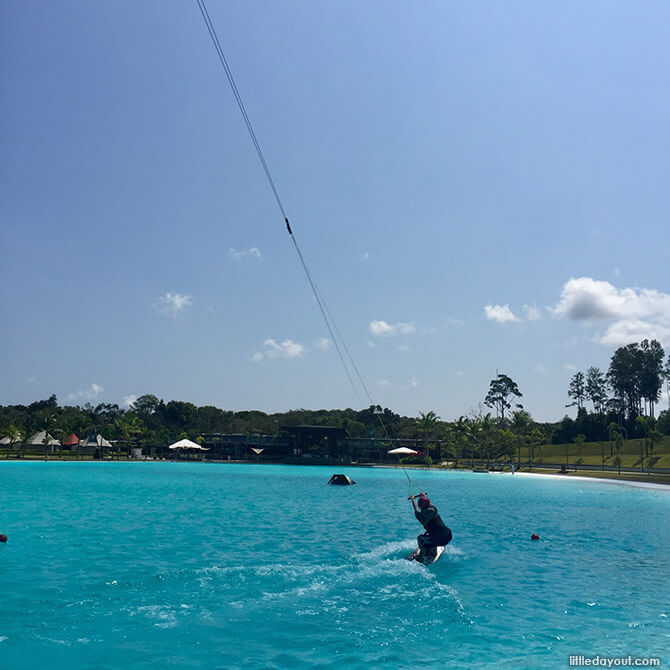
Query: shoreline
(626, 479)
(629, 479)
(635, 483)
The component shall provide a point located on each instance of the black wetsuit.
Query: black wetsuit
(437, 533)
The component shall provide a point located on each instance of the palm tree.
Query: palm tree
(520, 424)
(426, 426)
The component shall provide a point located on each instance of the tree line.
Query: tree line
(623, 399)
(622, 402)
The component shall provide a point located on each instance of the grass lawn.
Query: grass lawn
(591, 453)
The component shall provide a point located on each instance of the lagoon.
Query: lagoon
(137, 565)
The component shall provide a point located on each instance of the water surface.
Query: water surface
(136, 565)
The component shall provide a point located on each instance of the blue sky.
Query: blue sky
(475, 186)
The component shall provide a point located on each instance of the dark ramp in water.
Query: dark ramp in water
(341, 480)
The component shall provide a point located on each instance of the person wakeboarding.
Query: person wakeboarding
(437, 534)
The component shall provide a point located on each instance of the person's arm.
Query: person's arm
(412, 498)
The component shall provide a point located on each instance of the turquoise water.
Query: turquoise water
(219, 566)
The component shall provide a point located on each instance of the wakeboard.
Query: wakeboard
(419, 556)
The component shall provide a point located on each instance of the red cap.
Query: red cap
(424, 502)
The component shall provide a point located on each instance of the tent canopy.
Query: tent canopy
(403, 450)
(42, 438)
(187, 444)
(95, 441)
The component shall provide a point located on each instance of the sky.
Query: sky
(476, 188)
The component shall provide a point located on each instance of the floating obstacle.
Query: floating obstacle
(341, 480)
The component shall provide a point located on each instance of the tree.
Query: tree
(520, 424)
(426, 425)
(535, 440)
(146, 405)
(624, 378)
(501, 390)
(663, 424)
(596, 388)
(577, 390)
(651, 372)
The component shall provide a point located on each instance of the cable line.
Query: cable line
(331, 324)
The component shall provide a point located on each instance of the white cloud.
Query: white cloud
(570, 367)
(404, 348)
(414, 382)
(173, 304)
(532, 312)
(128, 400)
(236, 255)
(31, 380)
(274, 349)
(634, 314)
(90, 393)
(381, 328)
(626, 331)
(323, 344)
(540, 369)
(365, 255)
(383, 382)
(459, 373)
(499, 313)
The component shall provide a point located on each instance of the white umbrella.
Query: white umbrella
(403, 450)
(187, 444)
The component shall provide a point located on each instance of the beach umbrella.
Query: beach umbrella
(187, 444)
(403, 450)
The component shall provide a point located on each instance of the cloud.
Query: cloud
(383, 382)
(540, 369)
(532, 312)
(634, 314)
(365, 255)
(626, 331)
(252, 252)
(414, 382)
(381, 328)
(499, 313)
(173, 304)
(404, 348)
(570, 367)
(273, 349)
(459, 373)
(128, 400)
(90, 393)
(323, 344)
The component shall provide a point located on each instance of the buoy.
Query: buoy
(534, 536)
(3, 538)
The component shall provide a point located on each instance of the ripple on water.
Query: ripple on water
(223, 569)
